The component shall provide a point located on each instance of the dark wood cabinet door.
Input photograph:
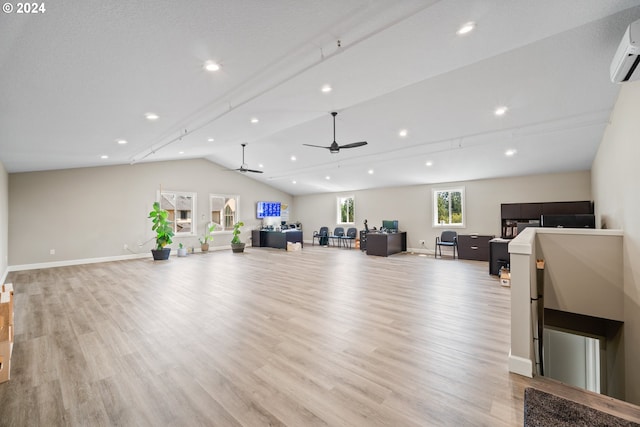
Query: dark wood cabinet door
(530, 210)
(510, 210)
(567, 208)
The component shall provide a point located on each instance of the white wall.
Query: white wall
(412, 205)
(615, 177)
(93, 212)
(4, 222)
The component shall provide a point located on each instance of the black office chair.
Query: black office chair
(338, 233)
(447, 238)
(322, 236)
(350, 236)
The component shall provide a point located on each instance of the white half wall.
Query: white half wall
(615, 177)
(4, 223)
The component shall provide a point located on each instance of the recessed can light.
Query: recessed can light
(293, 158)
(326, 89)
(180, 152)
(121, 141)
(294, 182)
(211, 66)
(429, 163)
(260, 165)
(327, 177)
(370, 171)
(402, 133)
(511, 152)
(254, 120)
(210, 139)
(466, 28)
(104, 157)
(152, 116)
(500, 111)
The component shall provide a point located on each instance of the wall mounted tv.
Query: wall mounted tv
(267, 209)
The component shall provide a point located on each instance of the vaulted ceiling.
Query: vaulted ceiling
(81, 75)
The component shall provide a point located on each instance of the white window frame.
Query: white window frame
(194, 214)
(339, 201)
(221, 230)
(434, 202)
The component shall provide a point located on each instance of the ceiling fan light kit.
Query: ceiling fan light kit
(334, 148)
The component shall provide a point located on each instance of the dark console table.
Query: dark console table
(275, 239)
(385, 244)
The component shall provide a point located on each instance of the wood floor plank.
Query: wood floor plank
(320, 337)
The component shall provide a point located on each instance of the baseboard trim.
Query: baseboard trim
(67, 263)
(520, 365)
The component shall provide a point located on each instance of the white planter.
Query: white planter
(182, 251)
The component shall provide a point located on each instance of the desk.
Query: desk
(275, 239)
(385, 244)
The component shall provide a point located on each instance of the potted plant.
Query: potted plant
(204, 241)
(164, 232)
(236, 245)
(182, 251)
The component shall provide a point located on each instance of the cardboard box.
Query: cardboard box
(293, 247)
(505, 278)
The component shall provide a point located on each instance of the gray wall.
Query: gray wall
(615, 177)
(4, 222)
(93, 212)
(412, 205)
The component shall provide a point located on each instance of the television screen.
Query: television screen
(267, 209)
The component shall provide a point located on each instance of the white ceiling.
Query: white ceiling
(82, 74)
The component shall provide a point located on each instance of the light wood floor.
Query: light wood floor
(325, 336)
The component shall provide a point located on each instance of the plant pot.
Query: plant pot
(237, 247)
(182, 252)
(161, 254)
(204, 247)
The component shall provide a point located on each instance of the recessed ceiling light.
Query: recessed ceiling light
(429, 163)
(180, 152)
(327, 177)
(294, 182)
(211, 66)
(403, 132)
(254, 120)
(466, 28)
(370, 171)
(500, 111)
(511, 152)
(326, 89)
(260, 165)
(121, 141)
(293, 158)
(210, 139)
(152, 116)
(104, 156)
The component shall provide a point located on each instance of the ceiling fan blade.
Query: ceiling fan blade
(252, 170)
(354, 144)
(318, 146)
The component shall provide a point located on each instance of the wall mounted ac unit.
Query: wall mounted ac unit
(626, 62)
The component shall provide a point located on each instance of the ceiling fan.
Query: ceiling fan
(334, 147)
(244, 168)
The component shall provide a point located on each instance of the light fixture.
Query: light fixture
(466, 28)
(104, 157)
(429, 163)
(370, 171)
(254, 120)
(294, 182)
(260, 165)
(402, 133)
(121, 141)
(152, 116)
(293, 158)
(210, 139)
(326, 89)
(500, 111)
(211, 66)
(180, 152)
(327, 177)
(510, 152)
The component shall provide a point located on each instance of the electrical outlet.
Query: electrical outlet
(421, 242)
(52, 251)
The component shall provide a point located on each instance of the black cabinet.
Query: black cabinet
(512, 213)
(498, 255)
(473, 247)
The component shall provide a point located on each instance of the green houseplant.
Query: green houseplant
(236, 245)
(204, 240)
(164, 232)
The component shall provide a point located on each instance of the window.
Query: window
(448, 208)
(224, 211)
(346, 207)
(181, 207)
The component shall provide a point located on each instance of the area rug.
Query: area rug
(544, 409)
